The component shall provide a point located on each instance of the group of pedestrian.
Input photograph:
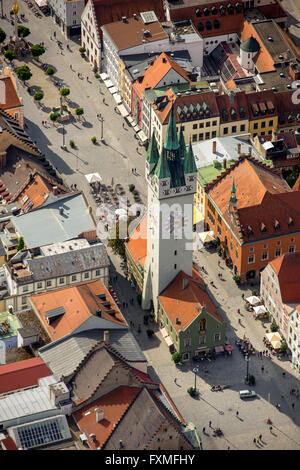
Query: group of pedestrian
(258, 439)
(133, 171)
(74, 187)
(131, 301)
(115, 278)
(125, 304)
(44, 123)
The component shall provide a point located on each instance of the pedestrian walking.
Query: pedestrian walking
(293, 406)
(238, 310)
(237, 413)
(175, 380)
(135, 171)
(260, 437)
(54, 34)
(219, 263)
(228, 448)
(103, 100)
(262, 368)
(254, 440)
(243, 296)
(270, 428)
(203, 430)
(209, 424)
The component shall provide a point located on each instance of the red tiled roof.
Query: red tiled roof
(109, 11)
(266, 98)
(286, 107)
(142, 376)
(263, 197)
(9, 444)
(12, 99)
(22, 374)
(240, 101)
(184, 304)
(273, 10)
(156, 72)
(137, 243)
(114, 405)
(287, 268)
(80, 303)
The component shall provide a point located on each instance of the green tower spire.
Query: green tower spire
(162, 168)
(233, 198)
(171, 143)
(182, 147)
(189, 161)
(152, 155)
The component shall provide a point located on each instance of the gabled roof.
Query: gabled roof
(157, 71)
(226, 108)
(185, 303)
(11, 98)
(189, 161)
(22, 374)
(152, 155)
(137, 243)
(266, 206)
(79, 303)
(287, 268)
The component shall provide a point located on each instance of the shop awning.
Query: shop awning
(204, 349)
(113, 90)
(219, 349)
(142, 136)
(136, 128)
(117, 98)
(103, 76)
(207, 237)
(168, 341)
(259, 309)
(129, 119)
(123, 110)
(108, 83)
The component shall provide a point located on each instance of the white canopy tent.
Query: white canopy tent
(117, 98)
(112, 90)
(275, 339)
(206, 237)
(123, 110)
(103, 76)
(93, 177)
(121, 212)
(108, 83)
(253, 300)
(260, 309)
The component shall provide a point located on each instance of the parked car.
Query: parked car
(247, 394)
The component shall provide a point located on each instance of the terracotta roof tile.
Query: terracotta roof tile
(12, 99)
(114, 405)
(22, 374)
(185, 304)
(79, 302)
(156, 72)
(263, 60)
(287, 269)
(267, 99)
(240, 101)
(137, 243)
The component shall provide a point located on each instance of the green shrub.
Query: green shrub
(251, 380)
(217, 164)
(191, 391)
(82, 50)
(131, 188)
(273, 327)
(255, 292)
(237, 279)
(72, 144)
(176, 357)
(54, 116)
(50, 71)
(94, 139)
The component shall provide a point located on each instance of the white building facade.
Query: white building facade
(90, 37)
(67, 14)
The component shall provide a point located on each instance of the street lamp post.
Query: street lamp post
(63, 135)
(195, 370)
(101, 119)
(247, 359)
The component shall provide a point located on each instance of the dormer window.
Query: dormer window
(263, 228)
(290, 221)
(198, 13)
(250, 230)
(276, 224)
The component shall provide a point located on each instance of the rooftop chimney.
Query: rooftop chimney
(99, 415)
(106, 336)
(274, 135)
(214, 146)
(225, 163)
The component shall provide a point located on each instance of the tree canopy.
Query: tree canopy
(37, 50)
(2, 35)
(10, 55)
(23, 73)
(38, 96)
(50, 71)
(23, 31)
(65, 91)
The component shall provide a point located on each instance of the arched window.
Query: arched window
(208, 25)
(216, 24)
(202, 324)
(206, 11)
(214, 10)
(230, 9)
(198, 12)
(222, 10)
(238, 7)
(200, 27)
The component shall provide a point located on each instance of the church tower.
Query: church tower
(171, 178)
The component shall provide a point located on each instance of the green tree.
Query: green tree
(82, 50)
(50, 71)
(65, 91)
(2, 35)
(21, 244)
(37, 50)
(10, 55)
(72, 144)
(23, 32)
(94, 139)
(38, 96)
(23, 73)
(176, 357)
(54, 117)
(273, 327)
(191, 391)
(79, 112)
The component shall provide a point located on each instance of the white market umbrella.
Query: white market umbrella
(276, 344)
(259, 309)
(253, 300)
(93, 177)
(112, 90)
(121, 212)
(206, 237)
(272, 337)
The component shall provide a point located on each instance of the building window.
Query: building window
(202, 324)
(86, 275)
(200, 136)
(175, 266)
(194, 126)
(39, 285)
(292, 240)
(278, 243)
(185, 356)
(242, 127)
(175, 252)
(187, 341)
(194, 137)
(214, 123)
(24, 300)
(61, 280)
(264, 255)
(217, 336)
(213, 134)
(225, 130)
(207, 135)
(202, 339)
(255, 125)
(97, 272)
(201, 125)
(291, 249)
(207, 124)
(271, 122)
(74, 278)
(48, 283)
(278, 252)
(233, 129)
(263, 124)
(25, 289)
(251, 259)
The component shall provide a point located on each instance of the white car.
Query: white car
(247, 394)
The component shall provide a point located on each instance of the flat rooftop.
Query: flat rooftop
(273, 41)
(64, 247)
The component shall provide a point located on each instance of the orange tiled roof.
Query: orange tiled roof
(156, 72)
(137, 243)
(184, 304)
(12, 99)
(114, 405)
(22, 374)
(296, 186)
(37, 189)
(240, 100)
(263, 60)
(208, 97)
(263, 199)
(80, 302)
(287, 268)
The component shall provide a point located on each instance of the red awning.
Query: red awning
(219, 349)
(228, 347)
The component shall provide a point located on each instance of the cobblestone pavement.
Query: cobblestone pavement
(221, 407)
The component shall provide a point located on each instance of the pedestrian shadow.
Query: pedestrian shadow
(87, 124)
